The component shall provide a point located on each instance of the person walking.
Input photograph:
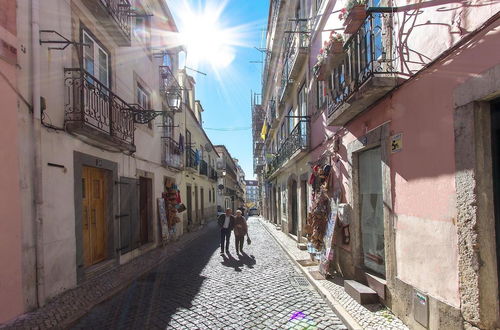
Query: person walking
(240, 230)
(226, 224)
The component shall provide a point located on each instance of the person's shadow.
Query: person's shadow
(247, 260)
(243, 260)
(230, 261)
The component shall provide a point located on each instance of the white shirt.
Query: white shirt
(226, 222)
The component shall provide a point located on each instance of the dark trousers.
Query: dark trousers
(225, 234)
(239, 242)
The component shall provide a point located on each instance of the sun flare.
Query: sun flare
(207, 36)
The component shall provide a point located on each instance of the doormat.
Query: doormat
(317, 275)
(307, 262)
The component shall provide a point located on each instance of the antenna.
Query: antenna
(186, 67)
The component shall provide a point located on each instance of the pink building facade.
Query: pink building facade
(402, 103)
(11, 297)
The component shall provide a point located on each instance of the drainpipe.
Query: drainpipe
(38, 193)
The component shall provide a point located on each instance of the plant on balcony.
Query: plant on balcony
(326, 57)
(354, 14)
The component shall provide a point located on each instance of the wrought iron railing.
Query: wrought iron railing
(229, 192)
(92, 103)
(369, 52)
(191, 159)
(172, 155)
(120, 11)
(298, 139)
(212, 173)
(203, 167)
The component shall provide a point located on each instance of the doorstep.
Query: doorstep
(354, 315)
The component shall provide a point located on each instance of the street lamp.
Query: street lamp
(174, 99)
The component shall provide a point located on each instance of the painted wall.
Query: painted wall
(11, 290)
(59, 247)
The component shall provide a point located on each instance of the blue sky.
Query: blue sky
(225, 93)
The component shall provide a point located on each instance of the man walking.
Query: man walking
(226, 224)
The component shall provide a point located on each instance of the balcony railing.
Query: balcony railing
(298, 42)
(115, 16)
(297, 140)
(367, 70)
(93, 111)
(191, 159)
(212, 174)
(229, 192)
(203, 167)
(172, 155)
(170, 89)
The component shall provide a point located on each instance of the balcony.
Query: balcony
(366, 73)
(298, 45)
(295, 144)
(212, 174)
(95, 114)
(170, 89)
(191, 159)
(203, 167)
(114, 16)
(172, 155)
(229, 192)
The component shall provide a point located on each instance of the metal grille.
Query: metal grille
(300, 281)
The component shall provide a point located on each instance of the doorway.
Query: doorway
(189, 205)
(145, 208)
(304, 206)
(197, 210)
(94, 215)
(273, 206)
(202, 205)
(278, 216)
(371, 210)
(294, 209)
(495, 155)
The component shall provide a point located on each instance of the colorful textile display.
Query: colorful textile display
(318, 218)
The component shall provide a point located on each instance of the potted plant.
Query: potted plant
(354, 14)
(335, 44)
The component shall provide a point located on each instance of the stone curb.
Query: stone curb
(341, 312)
(44, 317)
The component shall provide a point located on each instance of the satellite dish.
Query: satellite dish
(208, 147)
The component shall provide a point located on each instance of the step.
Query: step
(361, 293)
(377, 284)
(302, 246)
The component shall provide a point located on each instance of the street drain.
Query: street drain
(300, 281)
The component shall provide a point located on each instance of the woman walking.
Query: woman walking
(240, 230)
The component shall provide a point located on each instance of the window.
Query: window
(302, 101)
(321, 94)
(142, 29)
(167, 60)
(290, 121)
(143, 100)
(95, 60)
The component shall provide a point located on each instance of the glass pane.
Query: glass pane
(371, 204)
(88, 54)
(103, 67)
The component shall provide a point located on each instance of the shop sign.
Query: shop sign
(396, 143)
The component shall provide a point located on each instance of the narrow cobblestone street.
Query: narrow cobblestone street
(199, 289)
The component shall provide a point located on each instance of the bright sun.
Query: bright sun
(206, 38)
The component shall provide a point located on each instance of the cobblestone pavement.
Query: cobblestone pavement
(200, 289)
(372, 317)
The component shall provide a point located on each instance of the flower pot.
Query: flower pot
(355, 19)
(336, 47)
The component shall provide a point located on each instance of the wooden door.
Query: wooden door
(94, 215)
